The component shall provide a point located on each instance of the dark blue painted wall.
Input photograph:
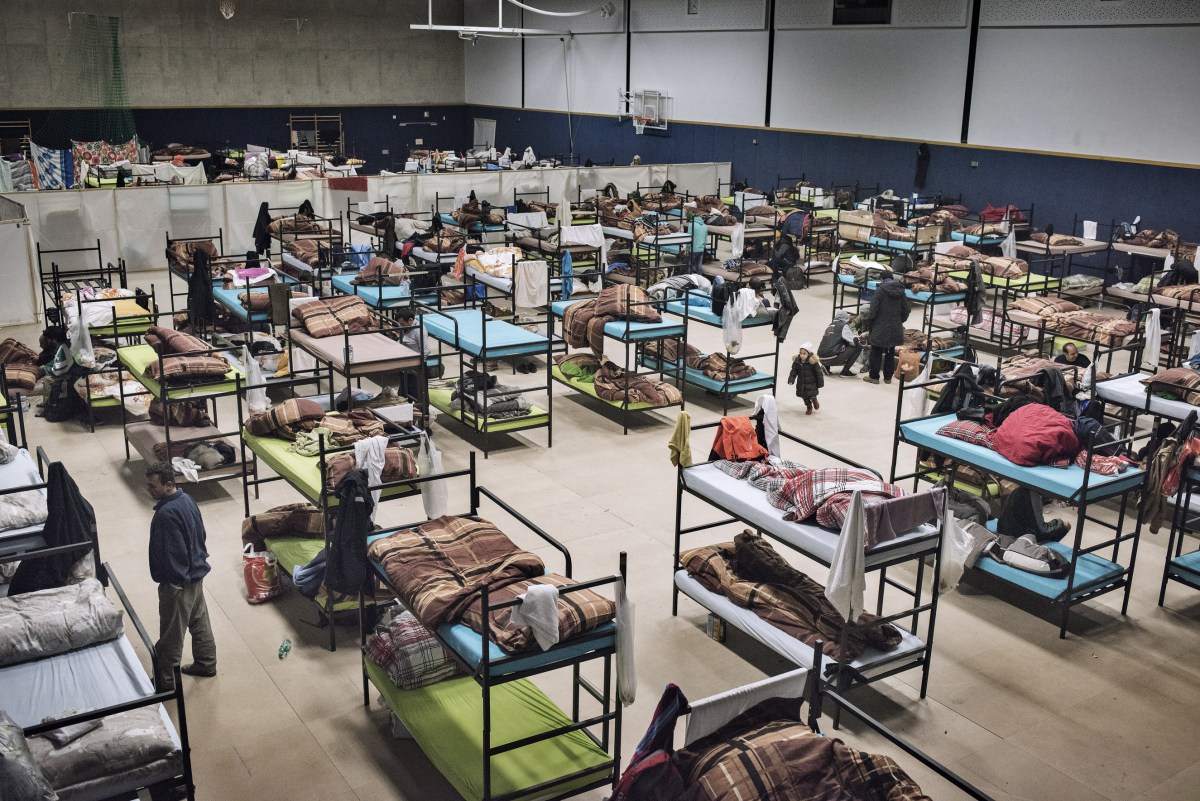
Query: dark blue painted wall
(1058, 186)
(368, 130)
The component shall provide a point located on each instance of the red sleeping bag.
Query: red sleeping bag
(1035, 434)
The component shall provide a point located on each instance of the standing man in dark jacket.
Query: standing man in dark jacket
(178, 564)
(885, 327)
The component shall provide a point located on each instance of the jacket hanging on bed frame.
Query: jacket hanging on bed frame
(202, 308)
(347, 562)
(71, 519)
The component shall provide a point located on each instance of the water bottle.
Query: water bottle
(284, 648)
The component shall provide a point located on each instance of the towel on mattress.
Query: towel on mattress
(43, 623)
(441, 567)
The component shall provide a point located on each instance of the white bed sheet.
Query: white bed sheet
(434, 257)
(750, 504)
(869, 663)
(1128, 390)
(679, 238)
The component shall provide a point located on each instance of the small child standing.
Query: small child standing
(808, 377)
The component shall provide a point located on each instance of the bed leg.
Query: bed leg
(1066, 614)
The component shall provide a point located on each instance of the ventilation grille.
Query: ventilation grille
(999, 13)
(802, 14)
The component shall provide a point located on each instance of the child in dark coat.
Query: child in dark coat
(808, 377)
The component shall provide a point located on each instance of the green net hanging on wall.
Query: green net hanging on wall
(88, 98)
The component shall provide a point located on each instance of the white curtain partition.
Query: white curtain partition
(19, 298)
(133, 222)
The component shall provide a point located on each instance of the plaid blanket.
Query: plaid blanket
(1003, 267)
(306, 250)
(168, 341)
(794, 603)
(577, 321)
(1018, 370)
(1182, 382)
(1188, 293)
(292, 520)
(381, 272)
(768, 755)
(668, 350)
(14, 352)
(443, 242)
(823, 492)
(1045, 307)
(286, 419)
(187, 369)
(296, 224)
(326, 318)
(352, 426)
(181, 255)
(22, 376)
(717, 365)
(1100, 328)
(626, 302)
(398, 464)
(614, 384)
(440, 568)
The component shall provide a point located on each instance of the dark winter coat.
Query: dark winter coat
(808, 376)
(347, 570)
(886, 317)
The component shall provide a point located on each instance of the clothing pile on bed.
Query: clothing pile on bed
(677, 286)
(584, 321)
(307, 426)
(103, 380)
(717, 366)
(1071, 320)
(883, 226)
(472, 212)
(497, 262)
(1167, 239)
(443, 242)
(181, 255)
(711, 210)
(612, 383)
(440, 567)
(480, 394)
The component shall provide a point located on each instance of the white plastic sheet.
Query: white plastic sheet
(256, 398)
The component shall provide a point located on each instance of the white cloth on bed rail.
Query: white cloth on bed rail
(847, 583)
(369, 455)
(429, 463)
(1089, 229)
(709, 714)
(766, 404)
(916, 401)
(1151, 351)
(539, 611)
(587, 235)
(531, 284)
(535, 220)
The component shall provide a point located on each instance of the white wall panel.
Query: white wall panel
(797, 14)
(492, 70)
(733, 93)
(1077, 13)
(595, 68)
(1090, 100)
(898, 83)
(715, 15)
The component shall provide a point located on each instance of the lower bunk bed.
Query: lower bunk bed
(490, 730)
(755, 741)
(24, 501)
(1085, 478)
(870, 648)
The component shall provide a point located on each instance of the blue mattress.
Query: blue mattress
(468, 644)
(976, 239)
(377, 296)
(1091, 574)
(705, 314)
(626, 331)
(919, 297)
(1186, 568)
(1061, 483)
(696, 377)
(229, 299)
(503, 338)
(893, 244)
(474, 228)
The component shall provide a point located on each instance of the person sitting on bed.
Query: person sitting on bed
(414, 338)
(1072, 357)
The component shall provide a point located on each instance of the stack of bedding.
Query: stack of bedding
(480, 394)
(611, 383)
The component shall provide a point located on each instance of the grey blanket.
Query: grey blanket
(48, 622)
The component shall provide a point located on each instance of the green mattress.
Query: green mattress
(302, 472)
(294, 552)
(446, 720)
(588, 388)
(137, 358)
(440, 400)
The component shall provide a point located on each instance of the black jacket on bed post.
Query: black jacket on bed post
(262, 229)
(346, 571)
(202, 308)
(71, 519)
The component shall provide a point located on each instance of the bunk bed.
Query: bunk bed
(23, 501)
(97, 295)
(1055, 321)
(492, 732)
(477, 223)
(1079, 484)
(636, 320)
(744, 503)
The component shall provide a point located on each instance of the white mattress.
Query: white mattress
(870, 662)
(1128, 390)
(680, 238)
(21, 472)
(750, 504)
(505, 285)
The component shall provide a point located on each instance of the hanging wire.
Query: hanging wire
(567, 83)
(607, 10)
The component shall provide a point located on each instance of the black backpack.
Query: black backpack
(63, 403)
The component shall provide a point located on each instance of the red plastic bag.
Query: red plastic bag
(263, 581)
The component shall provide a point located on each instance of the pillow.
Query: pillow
(168, 340)
(963, 252)
(1043, 306)
(410, 653)
(970, 431)
(1179, 381)
(126, 741)
(284, 419)
(20, 775)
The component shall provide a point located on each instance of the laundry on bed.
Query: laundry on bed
(481, 394)
(614, 384)
(440, 567)
(749, 572)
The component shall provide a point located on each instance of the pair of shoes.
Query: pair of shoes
(527, 367)
(848, 372)
(808, 408)
(827, 370)
(870, 380)
(195, 670)
(816, 404)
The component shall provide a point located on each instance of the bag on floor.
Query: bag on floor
(262, 575)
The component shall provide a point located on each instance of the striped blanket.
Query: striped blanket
(822, 492)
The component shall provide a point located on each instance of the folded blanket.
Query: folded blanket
(441, 567)
(330, 316)
(286, 419)
(381, 272)
(822, 493)
(398, 464)
(43, 623)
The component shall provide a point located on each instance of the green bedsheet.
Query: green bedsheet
(293, 552)
(137, 358)
(589, 388)
(302, 472)
(446, 720)
(440, 399)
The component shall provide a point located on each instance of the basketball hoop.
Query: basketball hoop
(639, 124)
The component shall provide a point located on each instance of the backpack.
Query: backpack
(736, 441)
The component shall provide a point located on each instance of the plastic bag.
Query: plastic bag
(262, 575)
(955, 549)
(81, 344)
(256, 398)
(731, 328)
(433, 493)
(626, 674)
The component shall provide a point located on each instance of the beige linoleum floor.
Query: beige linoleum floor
(1109, 713)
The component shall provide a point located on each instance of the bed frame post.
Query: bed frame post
(184, 741)
(678, 537)
(474, 485)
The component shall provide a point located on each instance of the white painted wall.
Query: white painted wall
(492, 72)
(594, 71)
(1127, 92)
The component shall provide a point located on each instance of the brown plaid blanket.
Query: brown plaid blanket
(1045, 307)
(22, 376)
(1002, 267)
(717, 365)
(578, 330)
(187, 369)
(14, 352)
(1188, 293)
(440, 568)
(1055, 240)
(1018, 370)
(668, 350)
(985, 229)
(306, 250)
(381, 272)
(614, 384)
(261, 301)
(767, 754)
(293, 520)
(626, 302)
(1100, 328)
(188, 414)
(168, 341)
(286, 419)
(296, 224)
(398, 464)
(349, 427)
(326, 318)
(1182, 382)
(752, 575)
(443, 242)
(661, 202)
(181, 255)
